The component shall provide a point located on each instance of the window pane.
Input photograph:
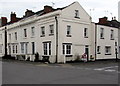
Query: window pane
(43, 30)
(76, 13)
(16, 49)
(25, 33)
(49, 48)
(68, 30)
(33, 31)
(51, 29)
(101, 32)
(63, 49)
(15, 35)
(85, 32)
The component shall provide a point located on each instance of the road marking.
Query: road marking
(110, 70)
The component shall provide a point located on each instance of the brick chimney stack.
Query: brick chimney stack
(48, 9)
(3, 21)
(28, 13)
(103, 20)
(13, 17)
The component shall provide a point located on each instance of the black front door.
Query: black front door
(87, 52)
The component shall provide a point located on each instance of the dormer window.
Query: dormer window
(76, 13)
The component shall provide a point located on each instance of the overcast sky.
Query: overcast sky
(99, 8)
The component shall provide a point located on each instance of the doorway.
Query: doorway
(87, 51)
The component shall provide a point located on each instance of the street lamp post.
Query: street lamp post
(116, 50)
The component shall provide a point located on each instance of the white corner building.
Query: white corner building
(62, 34)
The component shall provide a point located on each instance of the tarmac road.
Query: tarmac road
(82, 73)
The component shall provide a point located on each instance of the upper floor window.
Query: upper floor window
(68, 31)
(107, 50)
(25, 32)
(76, 13)
(51, 29)
(42, 31)
(86, 32)
(32, 31)
(9, 36)
(15, 35)
(112, 35)
(102, 33)
(1, 36)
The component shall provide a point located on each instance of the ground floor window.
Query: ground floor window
(9, 49)
(119, 49)
(67, 48)
(0, 48)
(47, 48)
(24, 48)
(98, 49)
(107, 50)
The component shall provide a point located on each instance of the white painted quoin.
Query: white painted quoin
(62, 35)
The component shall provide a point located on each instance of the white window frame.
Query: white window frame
(85, 32)
(68, 31)
(76, 13)
(0, 36)
(112, 35)
(9, 37)
(107, 50)
(15, 35)
(1, 48)
(101, 33)
(25, 33)
(51, 29)
(22, 48)
(66, 51)
(32, 31)
(98, 49)
(13, 48)
(16, 48)
(42, 31)
(47, 48)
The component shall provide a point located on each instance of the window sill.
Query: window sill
(99, 53)
(101, 38)
(25, 38)
(77, 17)
(108, 54)
(111, 39)
(68, 35)
(42, 36)
(86, 37)
(32, 37)
(68, 55)
(51, 34)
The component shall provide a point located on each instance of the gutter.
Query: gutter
(5, 41)
(56, 39)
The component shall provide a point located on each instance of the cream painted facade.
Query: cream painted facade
(72, 35)
(105, 42)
